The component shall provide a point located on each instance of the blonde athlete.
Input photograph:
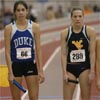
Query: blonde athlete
(21, 36)
(78, 55)
(98, 62)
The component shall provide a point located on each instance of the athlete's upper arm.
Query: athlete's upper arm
(7, 37)
(92, 37)
(36, 28)
(92, 46)
(7, 31)
(91, 33)
(36, 33)
(64, 34)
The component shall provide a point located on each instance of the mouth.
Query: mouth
(77, 22)
(21, 15)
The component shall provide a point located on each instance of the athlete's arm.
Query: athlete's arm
(98, 63)
(64, 51)
(36, 31)
(92, 36)
(7, 38)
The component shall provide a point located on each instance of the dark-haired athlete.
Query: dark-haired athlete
(23, 52)
(77, 55)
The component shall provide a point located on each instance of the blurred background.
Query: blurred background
(46, 10)
(53, 16)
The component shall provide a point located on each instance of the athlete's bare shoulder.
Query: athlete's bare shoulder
(90, 31)
(35, 26)
(90, 28)
(64, 33)
(8, 29)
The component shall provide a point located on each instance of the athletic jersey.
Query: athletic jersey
(78, 46)
(22, 43)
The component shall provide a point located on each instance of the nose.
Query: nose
(21, 11)
(77, 18)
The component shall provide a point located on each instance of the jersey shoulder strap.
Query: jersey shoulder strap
(69, 33)
(85, 33)
(29, 28)
(14, 28)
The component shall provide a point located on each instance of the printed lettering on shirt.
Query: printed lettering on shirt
(23, 41)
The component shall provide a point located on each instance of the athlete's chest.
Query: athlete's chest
(22, 39)
(77, 41)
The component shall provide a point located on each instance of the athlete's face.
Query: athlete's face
(21, 12)
(77, 17)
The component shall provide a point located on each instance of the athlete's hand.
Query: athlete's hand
(41, 77)
(98, 84)
(91, 76)
(10, 76)
(65, 77)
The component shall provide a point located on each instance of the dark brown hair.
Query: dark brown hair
(19, 2)
(76, 8)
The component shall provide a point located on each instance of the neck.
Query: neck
(77, 27)
(21, 22)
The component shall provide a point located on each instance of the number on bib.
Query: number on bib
(77, 56)
(23, 53)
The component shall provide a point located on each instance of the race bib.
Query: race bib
(23, 53)
(77, 56)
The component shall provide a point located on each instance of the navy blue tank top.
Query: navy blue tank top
(22, 43)
(78, 46)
